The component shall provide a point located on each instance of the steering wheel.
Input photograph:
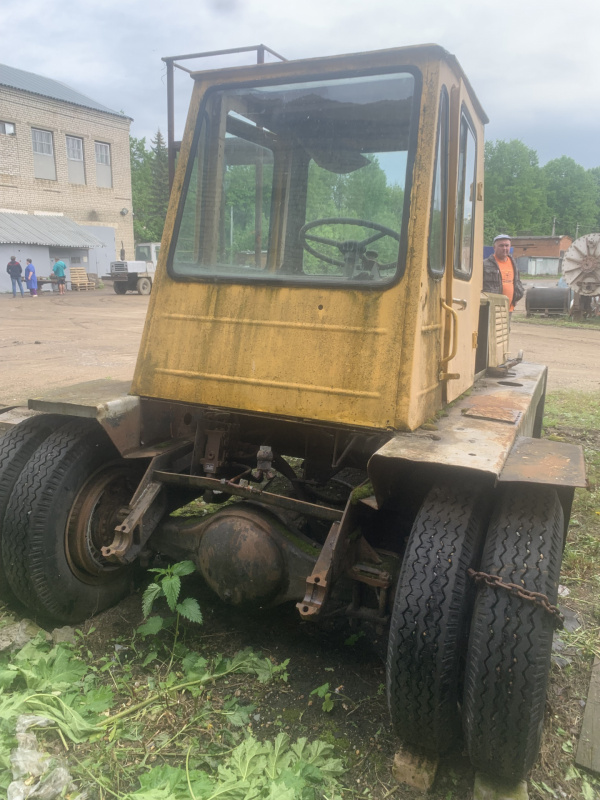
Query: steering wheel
(355, 253)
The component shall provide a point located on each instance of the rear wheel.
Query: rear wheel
(430, 620)
(144, 285)
(120, 287)
(508, 659)
(63, 510)
(16, 448)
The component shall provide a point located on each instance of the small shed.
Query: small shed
(540, 255)
(44, 238)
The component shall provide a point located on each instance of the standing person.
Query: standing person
(31, 278)
(59, 270)
(15, 270)
(500, 273)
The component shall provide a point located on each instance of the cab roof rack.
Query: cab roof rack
(171, 62)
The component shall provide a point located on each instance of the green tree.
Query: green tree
(159, 186)
(141, 176)
(515, 190)
(594, 174)
(572, 196)
(149, 186)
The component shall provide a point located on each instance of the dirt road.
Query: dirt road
(54, 341)
(50, 342)
(572, 354)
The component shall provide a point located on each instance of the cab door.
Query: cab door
(463, 275)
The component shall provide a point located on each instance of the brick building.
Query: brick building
(541, 246)
(540, 255)
(63, 153)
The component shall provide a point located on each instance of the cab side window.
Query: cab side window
(465, 201)
(436, 250)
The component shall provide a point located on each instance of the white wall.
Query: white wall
(99, 258)
(37, 253)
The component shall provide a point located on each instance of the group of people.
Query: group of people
(15, 270)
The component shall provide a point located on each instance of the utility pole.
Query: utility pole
(577, 231)
(553, 226)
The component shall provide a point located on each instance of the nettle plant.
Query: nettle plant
(167, 585)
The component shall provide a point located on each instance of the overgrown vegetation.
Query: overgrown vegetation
(133, 725)
(574, 417)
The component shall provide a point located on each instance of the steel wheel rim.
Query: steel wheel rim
(97, 509)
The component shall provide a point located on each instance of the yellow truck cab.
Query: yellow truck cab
(318, 356)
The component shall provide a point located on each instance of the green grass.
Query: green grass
(577, 410)
(592, 323)
(574, 417)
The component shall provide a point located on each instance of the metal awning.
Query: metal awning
(50, 230)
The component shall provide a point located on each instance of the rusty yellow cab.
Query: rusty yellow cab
(317, 319)
(359, 333)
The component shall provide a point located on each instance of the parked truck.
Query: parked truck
(136, 275)
(360, 365)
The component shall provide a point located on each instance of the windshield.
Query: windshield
(143, 253)
(300, 182)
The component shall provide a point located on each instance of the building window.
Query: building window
(75, 163)
(8, 128)
(43, 154)
(75, 259)
(42, 142)
(103, 166)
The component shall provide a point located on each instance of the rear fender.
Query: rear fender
(485, 436)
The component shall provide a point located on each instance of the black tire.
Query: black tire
(431, 616)
(508, 659)
(16, 448)
(144, 285)
(63, 509)
(120, 287)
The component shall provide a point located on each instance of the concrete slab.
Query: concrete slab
(415, 768)
(489, 788)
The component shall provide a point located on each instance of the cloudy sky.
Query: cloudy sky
(534, 65)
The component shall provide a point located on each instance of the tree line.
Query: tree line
(522, 198)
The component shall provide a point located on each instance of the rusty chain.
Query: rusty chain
(537, 598)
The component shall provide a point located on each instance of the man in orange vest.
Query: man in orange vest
(500, 273)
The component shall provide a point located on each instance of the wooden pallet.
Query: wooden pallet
(80, 281)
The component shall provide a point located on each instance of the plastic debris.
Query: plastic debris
(51, 779)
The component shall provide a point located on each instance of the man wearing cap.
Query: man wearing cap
(500, 273)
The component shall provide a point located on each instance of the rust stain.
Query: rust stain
(492, 408)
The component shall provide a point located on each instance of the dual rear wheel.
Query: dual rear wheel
(63, 488)
(477, 658)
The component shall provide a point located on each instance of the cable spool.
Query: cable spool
(581, 265)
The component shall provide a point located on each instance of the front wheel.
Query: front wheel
(144, 285)
(120, 287)
(63, 510)
(508, 659)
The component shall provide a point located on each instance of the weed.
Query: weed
(325, 695)
(168, 585)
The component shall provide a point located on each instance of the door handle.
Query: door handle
(443, 375)
(454, 348)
